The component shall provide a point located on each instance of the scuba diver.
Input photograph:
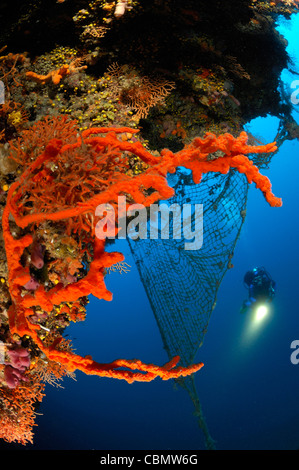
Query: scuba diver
(261, 288)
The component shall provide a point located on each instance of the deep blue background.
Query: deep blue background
(248, 387)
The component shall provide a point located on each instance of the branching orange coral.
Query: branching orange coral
(109, 157)
(17, 412)
(57, 75)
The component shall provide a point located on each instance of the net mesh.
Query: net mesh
(181, 284)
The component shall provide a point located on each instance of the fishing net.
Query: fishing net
(181, 284)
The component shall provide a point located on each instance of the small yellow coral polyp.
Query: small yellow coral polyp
(105, 143)
(14, 118)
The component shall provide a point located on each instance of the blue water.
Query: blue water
(248, 387)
